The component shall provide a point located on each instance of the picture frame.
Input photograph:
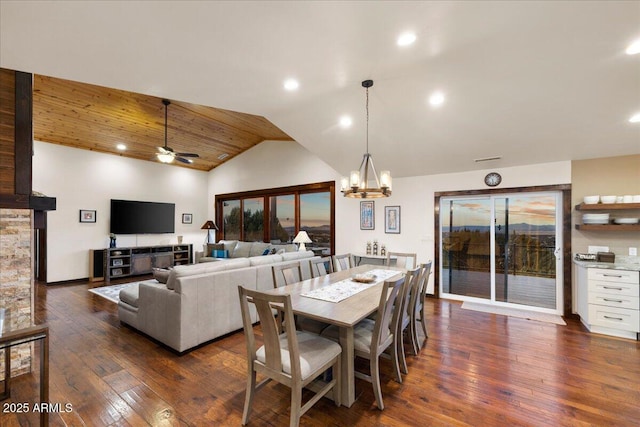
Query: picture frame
(116, 272)
(187, 218)
(87, 215)
(367, 215)
(117, 262)
(392, 219)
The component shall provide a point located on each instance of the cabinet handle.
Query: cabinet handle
(609, 287)
(613, 300)
(613, 275)
(613, 318)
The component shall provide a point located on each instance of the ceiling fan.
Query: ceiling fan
(166, 154)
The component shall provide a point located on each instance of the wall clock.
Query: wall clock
(493, 179)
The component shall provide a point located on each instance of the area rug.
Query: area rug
(514, 312)
(111, 293)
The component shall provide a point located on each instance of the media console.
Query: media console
(112, 263)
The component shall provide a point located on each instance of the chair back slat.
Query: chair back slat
(286, 274)
(270, 336)
(410, 296)
(320, 266)
(404, 260)
(342, 262)
(384, 328)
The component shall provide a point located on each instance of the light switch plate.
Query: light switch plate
(596, 249)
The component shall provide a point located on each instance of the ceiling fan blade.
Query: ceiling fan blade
(183, 160)
(187, 154)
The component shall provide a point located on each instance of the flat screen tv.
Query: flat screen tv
(133, 217)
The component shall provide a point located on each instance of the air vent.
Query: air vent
(486, 159)
(223, 156)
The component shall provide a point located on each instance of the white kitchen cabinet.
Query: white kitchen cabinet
(610, 302)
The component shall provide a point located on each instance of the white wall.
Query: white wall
(279, 164)
(81, 179)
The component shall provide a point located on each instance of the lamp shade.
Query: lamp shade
(302, 237)
(209, 225)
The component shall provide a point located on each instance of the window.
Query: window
(278, 214)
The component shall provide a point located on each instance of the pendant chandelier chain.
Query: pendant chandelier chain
(367, 108)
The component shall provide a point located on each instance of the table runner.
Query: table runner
(343, 289)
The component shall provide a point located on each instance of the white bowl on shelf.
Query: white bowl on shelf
(591, 200)
(608, 199)
(595, 218)
(626, 220)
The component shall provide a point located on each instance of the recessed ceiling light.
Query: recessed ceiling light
(635, 118)
(345, 121)
(634, 48)
(406, 39)
(436, 99)
(291, 84)
(121, 147)
(223, 156)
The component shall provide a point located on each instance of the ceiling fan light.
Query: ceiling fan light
(165, 158)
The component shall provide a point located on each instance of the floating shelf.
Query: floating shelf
(607, 206)
(608, 227)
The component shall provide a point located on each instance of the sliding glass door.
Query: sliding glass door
(503, 249)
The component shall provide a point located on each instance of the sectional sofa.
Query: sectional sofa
(200, 302)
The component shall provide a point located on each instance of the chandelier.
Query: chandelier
(364, 183)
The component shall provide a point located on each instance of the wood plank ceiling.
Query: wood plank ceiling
(96, 118)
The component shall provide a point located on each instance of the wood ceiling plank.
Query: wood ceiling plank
(96, 118)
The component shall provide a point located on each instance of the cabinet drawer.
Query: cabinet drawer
(615, 318)
(614, 288)
(618, 276)
(622, 301)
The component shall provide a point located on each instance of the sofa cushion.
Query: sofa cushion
(232, 264)
(288, 247)
(290, 256)
(229, 245)
(264, 260)
(205, 267)
(161, 274)
(130, 294)
(258, 248)
(242, 250)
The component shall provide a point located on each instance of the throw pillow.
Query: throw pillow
(161, 275)
(266, 252)
(216, 253)
(212, 246)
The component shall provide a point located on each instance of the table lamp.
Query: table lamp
(209, 225)
(302, 238)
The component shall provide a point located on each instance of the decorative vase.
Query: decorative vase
(179, 240)
(112, 243)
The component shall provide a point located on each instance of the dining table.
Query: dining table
(342, 309)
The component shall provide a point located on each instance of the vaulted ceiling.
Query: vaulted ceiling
(91, 117)
(527, 81)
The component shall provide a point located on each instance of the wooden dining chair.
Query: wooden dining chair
(320, 266)
(408, 295)
(343, 262)
(294, 359)
(403, 259)
(287, 274)
(373, 337)
(417, 305)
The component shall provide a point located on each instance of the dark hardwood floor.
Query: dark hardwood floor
(476, 369)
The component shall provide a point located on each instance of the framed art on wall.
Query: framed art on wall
(187, 218)
(367, 216)
(87, 215)
(392, 219)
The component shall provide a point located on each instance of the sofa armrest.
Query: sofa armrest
(159, 311)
